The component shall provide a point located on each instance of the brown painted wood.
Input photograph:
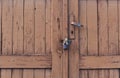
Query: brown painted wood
(74, 48)
(40, 18)
(83, 33)
(99, 62)
(40, 26)
(29, 33)
(59, 33)
(65, 66)
(48, 27)
(113, 33)
(33, 30)
(6, 33)
(25, 62)
(92, 33)
(17, 33)
(103, 33)
(86, 62)
(18, 27)
(39, 73)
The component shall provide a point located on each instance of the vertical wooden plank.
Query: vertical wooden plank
(92, 33)
(39, 73)
(48, 27)
(59, 33)
(18, 27)
(74, 48)
(56, 36)
(17, 33)
(114, 73)
(28, 33)
(48, 34)
(40, 26)
(17, 73)
(29, 27)
(119, 24)
(48, 73)
(103, 27)
(65, 35)
(83, 30)
(28, 73)
(6, 33)
(0, 26)
(83, 74)
(40, 16)
(103, 33)
(92, 27)
(113, 33)
(7, 27)
(6, 73)
(103, 74)
(83, 34)
(113, 27)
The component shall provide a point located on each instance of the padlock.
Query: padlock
(66, 44)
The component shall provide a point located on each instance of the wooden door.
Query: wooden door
(31, 35)
(94, 52)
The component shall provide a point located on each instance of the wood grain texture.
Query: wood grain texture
(29, 27)
(17, 73)
(86, 62)
(40, 33)
(40, 16)
(7, 27)
(119, 23)
(113, 33)
(48, 73)
(65, 66)
(39, 73)
(48, 27)
(7, 10)
(74, 48)
(17, 34)
(18, 27)
(59, 33)
(83, 30)
(83, 34)
(28, 73)
(103, 33)
(99, 62)
(92, 33)
(1, 27)
(29, 33)
(25, 62)
(48, 34)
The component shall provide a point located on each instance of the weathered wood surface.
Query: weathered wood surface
(99, 62)
(25, 62)
(59, 33)
(73, 34)
(21, 32)
(36, 61)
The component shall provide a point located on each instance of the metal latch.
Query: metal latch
(76, 24)
(66, 43)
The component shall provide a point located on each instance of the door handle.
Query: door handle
(76, 24)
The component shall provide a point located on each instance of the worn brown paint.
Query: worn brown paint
(33, 30)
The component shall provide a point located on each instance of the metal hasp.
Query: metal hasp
(76, 24)
(66, 43)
